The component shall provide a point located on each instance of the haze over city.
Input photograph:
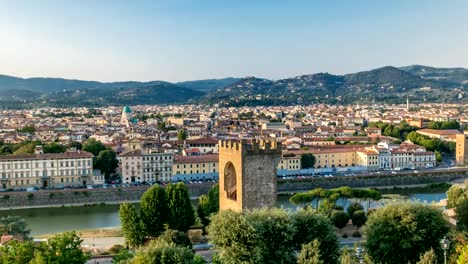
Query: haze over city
(187, 40)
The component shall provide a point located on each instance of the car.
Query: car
(416, 171)
(89, 187)
(394, 172)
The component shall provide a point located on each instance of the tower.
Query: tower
(407, 104)
(461, 152)
(126, 118)
(247, 174)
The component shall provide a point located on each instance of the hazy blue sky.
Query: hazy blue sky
(178, 40)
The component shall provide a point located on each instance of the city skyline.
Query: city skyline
(184, 40)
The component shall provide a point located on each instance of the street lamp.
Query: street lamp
(445, 244)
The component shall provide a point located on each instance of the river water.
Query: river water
(59, 219)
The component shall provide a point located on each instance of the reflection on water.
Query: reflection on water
(60, 219)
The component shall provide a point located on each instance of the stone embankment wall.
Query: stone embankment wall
(371, 181)
(117, 195)
(82, 196)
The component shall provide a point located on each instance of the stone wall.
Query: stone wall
(82, 196)
(370, 181)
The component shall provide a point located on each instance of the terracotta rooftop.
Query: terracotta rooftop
(196, 159)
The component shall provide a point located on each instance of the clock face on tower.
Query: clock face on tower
(230, 181)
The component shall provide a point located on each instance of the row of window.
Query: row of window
(197, 165)
(25, 165)
(66, 172)
(193, 171)
(155, 158)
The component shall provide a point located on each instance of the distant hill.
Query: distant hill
(387, 84)
(208, 85)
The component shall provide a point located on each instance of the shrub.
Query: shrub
(30, 196)
(116, 249)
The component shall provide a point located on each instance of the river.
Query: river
(59, 219)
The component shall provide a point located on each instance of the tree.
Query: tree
(64, 248)
(438, 156)
(31, 129)
(154, 211)
(259, 236)
(429, 257)
(176, 237)
(14, 225)
(122, 257)
(307, 161)
(132, 226)
(107, 162)
(310, 253)
(182, 134)
(161, 252)
(359, 219)
(94, 146)
(208, 204)
(54, 148)
(25, 148)
(310, 226)
(400, 232)
(301, 199)
(339, 219)
(181, 214)
(462, 213)
(75, 144)
(353, 208)
(17, 252)
(454, 195)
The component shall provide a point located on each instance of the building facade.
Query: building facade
(142, 165)
(46, 170)
(461, 151)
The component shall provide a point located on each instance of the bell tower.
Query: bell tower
(247, 174)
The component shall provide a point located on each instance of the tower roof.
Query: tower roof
(127, 109)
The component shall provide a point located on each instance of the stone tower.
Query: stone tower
(461, 152)
(247, 174)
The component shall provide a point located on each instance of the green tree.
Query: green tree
(208, 204)
(429, 257)
(107, 162)
(94, 146)
(359, 218)
(54, 148)
(401, 232)
(25, 148)
(132, 226)
(154, 211)
(339, 219)
(122, 257)
(353, 208)
(161, 252)
(310, 226)
(176, 237)
(31, 129)
(75, 144)
(307, 161)
(462, 213)
(310, 253)
(14, 225)
(182, 134)
(181, 213)
(438, 156)
(454, 195)
(17, 252)
(64, 248)
(301, 199)
(259, 236)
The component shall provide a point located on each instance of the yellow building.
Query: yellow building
(196, 164)
(368, 158)
(289, 161)
(330, 157)
(462, 149)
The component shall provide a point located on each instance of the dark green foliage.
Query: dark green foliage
(121, 257)
(307, 161)
(462, 213)
(181, 213)
(310, 253)
(401, 232)
(444, 125)
(310, 226)
(17, 252)
(132, 226)
(429, 257)
(455, 194)
(107, 162)
(75, 144)
(339, 219)
(54, 148)
(353, 208)
(359, 218)
(64, 248)
(432, 144)
(260, 236)
(182, 134)
(161, 252)
(176, 237)
(28, 129)
(14, 225)
(154, 211)
(94, 146)
(208, 204)
(30, 196)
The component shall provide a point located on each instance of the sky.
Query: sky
(177, 40)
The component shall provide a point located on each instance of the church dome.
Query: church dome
(127, 109)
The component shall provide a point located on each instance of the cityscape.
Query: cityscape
(130, 141)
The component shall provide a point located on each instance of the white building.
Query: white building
(46, 170)
(141, 165)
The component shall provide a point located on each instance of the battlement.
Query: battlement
(252, 146)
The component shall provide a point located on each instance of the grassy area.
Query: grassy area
(95, 233)
(405, 191)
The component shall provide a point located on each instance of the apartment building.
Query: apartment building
(143, 165)
(46, 170)
(200, 165)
